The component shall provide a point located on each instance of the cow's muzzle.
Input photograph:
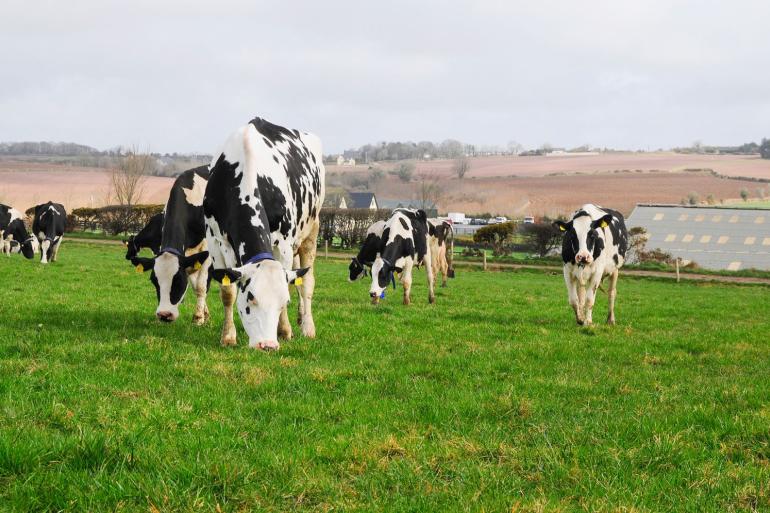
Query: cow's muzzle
(166, 316)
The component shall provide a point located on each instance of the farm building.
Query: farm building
(359, 200)
(713, 237)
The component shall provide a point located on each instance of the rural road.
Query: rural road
(499, 266)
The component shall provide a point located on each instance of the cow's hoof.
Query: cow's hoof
(443, 284)
(432, 299)
(407, 301)
(308, 329)
(611, 321)
(199, 320)
(580, 322)
(229, 341)
(285, 334)
(268, 346)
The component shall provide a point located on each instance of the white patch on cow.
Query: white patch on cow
(166, 266)
(194, 196)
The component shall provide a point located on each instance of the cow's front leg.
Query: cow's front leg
(307, 255)
(611, 293)
(572, 295)
(227, 293)
(590, 298)
(284, 327)
(581, 303)
(198, 281)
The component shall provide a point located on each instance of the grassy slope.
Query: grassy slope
(490, 399)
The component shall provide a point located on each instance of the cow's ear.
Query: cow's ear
(143, 264)
(194, 262)
(431, 230)
(561, 225)
(295, 275)
(225, 276)
(422, 215)
(602, 222)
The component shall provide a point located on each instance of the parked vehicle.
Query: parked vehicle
(529, 220)
(458, 217)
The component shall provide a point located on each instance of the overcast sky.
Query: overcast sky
(181, 75)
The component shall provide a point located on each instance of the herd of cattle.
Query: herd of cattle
(250, 221)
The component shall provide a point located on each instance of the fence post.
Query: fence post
(677, 269)
(326, 249)
(484, 255)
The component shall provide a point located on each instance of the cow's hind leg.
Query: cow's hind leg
(56, 246)
(284, 326)
(611, 293)
(431, 277)
(307, 254)
(227, 293)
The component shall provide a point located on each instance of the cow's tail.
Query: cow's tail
(450, 251)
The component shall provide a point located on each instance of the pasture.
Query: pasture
(492, 399)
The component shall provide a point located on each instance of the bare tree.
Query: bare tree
(429, 191)
(128, 177)
(462, 166)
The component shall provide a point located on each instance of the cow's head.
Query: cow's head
(131, 249)
(382, 274)
(169, 276)
(264, 292)
(357, 269)
(581, 238)
(28, 247)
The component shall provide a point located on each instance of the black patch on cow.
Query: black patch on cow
(249, 297)
(403, 223)
(616, 259)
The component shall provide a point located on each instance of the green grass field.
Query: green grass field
(490, 400)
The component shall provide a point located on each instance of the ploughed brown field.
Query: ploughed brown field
(26, 184)
(556, 185)
(500, 185)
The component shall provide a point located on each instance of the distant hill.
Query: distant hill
(63, 149)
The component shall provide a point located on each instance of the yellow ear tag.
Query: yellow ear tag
(562, 228)
(604, 224)
(226, 280)
(197, 266)
(140, 268)
(298, 281)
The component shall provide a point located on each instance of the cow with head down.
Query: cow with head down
(14, 237)
(150, 237)
(48, 226)
(407, 242)
(181, 258)
(594, 246)
(262, 207)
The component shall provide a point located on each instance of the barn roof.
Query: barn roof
(712, 237)
(360, 199)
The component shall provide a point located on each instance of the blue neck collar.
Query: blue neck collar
(259, 257)
(171, 250)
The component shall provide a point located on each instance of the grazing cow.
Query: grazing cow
(376, 235)
(262, 205)
(442, 244)
(48, 226)
(181, 258)
(408, 239)
(14, 236)
(594, 246)
(151, 236)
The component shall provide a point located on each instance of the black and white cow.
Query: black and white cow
(14, 237)
(442, 243)
(182, 257)
(48, 226)
(376, 235)
(151, 237)
(594, 246)
(407, 238)
(262, 205)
